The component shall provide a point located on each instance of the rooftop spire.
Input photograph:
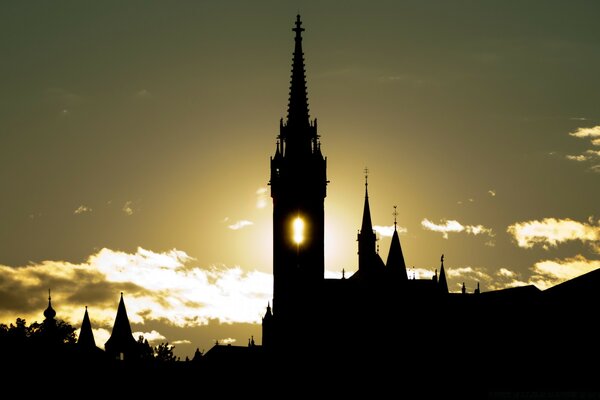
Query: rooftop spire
(395, 261)
(86, 336)
(121, 341)
(298, 102)
(367, 225)
(443, 283)
(49, 313)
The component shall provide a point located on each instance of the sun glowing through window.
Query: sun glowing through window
(298, 230)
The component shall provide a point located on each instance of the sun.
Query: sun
(298, 230)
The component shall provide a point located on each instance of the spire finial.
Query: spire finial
(366, 171)
(49, 313)
(343, 273)
(395, 214)
(442, 259)
(298, 29)
(298, 101)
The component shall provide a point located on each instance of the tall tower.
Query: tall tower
(298, 188)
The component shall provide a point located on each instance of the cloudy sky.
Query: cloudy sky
(135, 140)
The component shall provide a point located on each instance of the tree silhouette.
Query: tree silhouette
(146, 351)
(164, 353)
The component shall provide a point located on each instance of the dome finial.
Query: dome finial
(49, 313)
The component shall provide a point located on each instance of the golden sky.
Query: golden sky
(135, 141)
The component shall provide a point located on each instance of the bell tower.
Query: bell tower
(298, 188)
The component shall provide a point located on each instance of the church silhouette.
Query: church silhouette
(380, 321)
(380, 327)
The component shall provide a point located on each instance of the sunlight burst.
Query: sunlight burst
(298, 230)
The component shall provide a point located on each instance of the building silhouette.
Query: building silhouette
(381, 320)
(380, 330)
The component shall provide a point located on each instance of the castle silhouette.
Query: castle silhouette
(379, 321)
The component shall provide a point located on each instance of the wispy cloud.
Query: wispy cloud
(152, 337)
(579, 157)
(499, 279)
(578, 119)
(128, 208)
(492, 192)
(240, 225)
(591, 132)
(453, 226)
(548, 273)
(543, 274)
(184, 341)
(82, 210)
(549, 232)
(158, 286)
(261, 197)
(388, 231)
(226, 340)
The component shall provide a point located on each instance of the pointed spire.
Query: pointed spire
(268, 314)
(86, 336)
(464, 289)
(49, 313)
(367, 226)
(298, 102)
(121, 341)
(443, 283)
(122, 324)
(395, 261)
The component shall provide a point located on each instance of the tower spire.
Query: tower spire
(395, 261)
(367, 225)
(442, 282)
(86, 336)
(298, 102)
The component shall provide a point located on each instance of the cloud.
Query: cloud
(592, 132)
(388, 231)
(226, 341)
(82, 210)
(185, 341)
(158, 287)
(499, 279)
(448, 226)
(127, 208)
(551, 231)
(595, 153)
(261, 197)
(579, 157)
(578, 119)
(507, 273)
(240, 225)
(548, 273)
(492, 192)
(152, 337)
